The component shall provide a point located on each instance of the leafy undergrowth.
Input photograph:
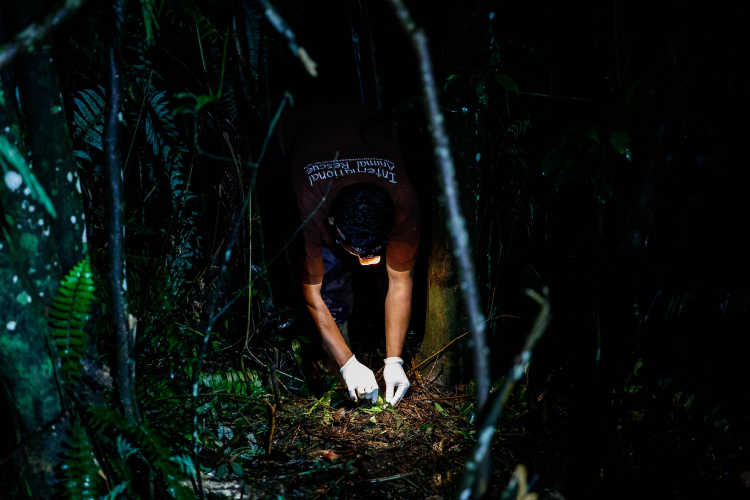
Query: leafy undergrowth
(334, 448)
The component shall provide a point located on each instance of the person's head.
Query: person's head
(362, 216)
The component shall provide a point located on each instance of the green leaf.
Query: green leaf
(497, 384)
(198, 101)
(573, 170)
(221, 471)
(638, 365)
(507, 82)
(621, 142)
(442, 410)
(453, 77)
(466, 408)
(591, 132)
(237, 468)
(553, 161)
(9, 154)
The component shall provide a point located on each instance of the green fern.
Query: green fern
(235, 382)
(89, 117)
(159, 125)
(71, 308)
(79, 472)
(152, 447)
(253, 18)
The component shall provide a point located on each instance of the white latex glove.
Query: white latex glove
(359, 380)
(395, 380)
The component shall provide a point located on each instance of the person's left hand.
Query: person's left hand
(396, 380)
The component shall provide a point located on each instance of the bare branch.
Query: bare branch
(283, 28)
(489, 417)
(35, 32)
(124, 363)
(456, 222)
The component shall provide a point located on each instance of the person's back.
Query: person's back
(328, 147)
(344, 164)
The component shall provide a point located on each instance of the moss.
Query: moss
(23, 298)
(29, 244)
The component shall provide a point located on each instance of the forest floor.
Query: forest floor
(334, 448)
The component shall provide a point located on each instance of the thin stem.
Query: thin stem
(138, 121)
(355, 47)
(370, 41)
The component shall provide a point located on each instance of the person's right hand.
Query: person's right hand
(359, 380)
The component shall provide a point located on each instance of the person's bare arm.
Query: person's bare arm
(326, 324)
(397, 310)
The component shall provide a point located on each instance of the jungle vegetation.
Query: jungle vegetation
(581, 293)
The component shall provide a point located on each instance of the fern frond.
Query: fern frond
(71, 308)
(89, 117)
(253, 17)
(235, 382)
(79, 472)
(153, 448)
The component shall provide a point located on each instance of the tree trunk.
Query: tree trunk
(446, 318)
(29, 273)
(38, 244)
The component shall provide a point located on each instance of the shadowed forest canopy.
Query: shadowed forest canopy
(582, 214)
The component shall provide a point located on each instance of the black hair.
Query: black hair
(365, 215)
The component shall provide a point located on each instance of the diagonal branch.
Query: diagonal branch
(35, 32)
(488, 418)
(283, 28)
(456, 223)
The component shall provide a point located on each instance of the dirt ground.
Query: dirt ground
(335, 448)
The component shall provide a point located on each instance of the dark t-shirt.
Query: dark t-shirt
(329, 146)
